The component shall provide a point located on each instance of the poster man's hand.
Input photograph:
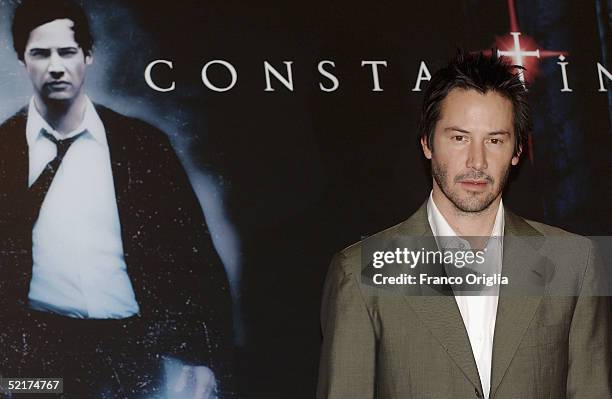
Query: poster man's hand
(200, 380)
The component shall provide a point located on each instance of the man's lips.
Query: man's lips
(474, 184)
(57, 84)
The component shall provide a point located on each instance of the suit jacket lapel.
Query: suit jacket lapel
(442, 317)
(527, 271)
(438, 312)
(15, 152)
(119, 150)
(123, 153)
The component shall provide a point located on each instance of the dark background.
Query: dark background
(300, 175)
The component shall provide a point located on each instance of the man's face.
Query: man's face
(473, 148)
(54, 61)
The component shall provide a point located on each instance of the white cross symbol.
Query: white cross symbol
(517, 54)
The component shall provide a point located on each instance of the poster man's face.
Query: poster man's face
(54, 61)
(473, 148)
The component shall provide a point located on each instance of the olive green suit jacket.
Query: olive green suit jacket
(553, 344)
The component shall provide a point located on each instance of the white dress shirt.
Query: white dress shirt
(477, 311)
(78, 261)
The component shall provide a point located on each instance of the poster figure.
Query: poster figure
(108, 273)
(524, 339)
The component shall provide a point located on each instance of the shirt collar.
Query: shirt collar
(441, 228)
(91, 122)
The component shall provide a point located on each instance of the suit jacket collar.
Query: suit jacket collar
(526, 270)
(417, 224)
(91, 123)
(16, 146)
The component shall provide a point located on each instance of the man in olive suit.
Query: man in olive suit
(545, 334)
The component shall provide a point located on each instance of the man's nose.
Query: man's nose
(477, 157)
(56, 66)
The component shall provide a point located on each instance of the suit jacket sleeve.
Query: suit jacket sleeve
(196, 297)
(347, 365)
(590, 367)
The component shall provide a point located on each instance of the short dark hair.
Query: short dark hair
(30, 14)
(482, 73)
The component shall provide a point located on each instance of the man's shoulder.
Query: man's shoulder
(552, 231)
(128, 125)
(351, 255)
(16, 121)
(112, 120)
(349, 258)
(415, 227)
(564, 248)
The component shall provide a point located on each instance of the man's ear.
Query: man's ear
(425, 147)
(517, 156)
(22, 62)
(89, 58)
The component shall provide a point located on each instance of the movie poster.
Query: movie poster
(243, 145)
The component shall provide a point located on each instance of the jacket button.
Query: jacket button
(478, 395)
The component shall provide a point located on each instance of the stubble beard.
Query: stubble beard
(474, 202)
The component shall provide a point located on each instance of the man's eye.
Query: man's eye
(496, 141)
(459, 138)
(67, 52)
(39, 53)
